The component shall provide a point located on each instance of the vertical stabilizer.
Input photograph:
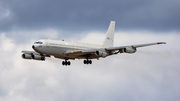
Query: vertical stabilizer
(109, 40)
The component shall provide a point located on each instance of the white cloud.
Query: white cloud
(150, 74)
(6, 44)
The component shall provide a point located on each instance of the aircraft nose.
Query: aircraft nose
(33, 46)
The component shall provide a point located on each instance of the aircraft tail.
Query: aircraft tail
(109, 40)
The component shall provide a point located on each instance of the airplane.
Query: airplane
(75, 50)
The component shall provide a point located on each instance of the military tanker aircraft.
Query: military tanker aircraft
(75, 50)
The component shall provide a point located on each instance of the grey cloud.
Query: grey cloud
(78, 16)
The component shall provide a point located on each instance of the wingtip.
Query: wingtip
(161, 43)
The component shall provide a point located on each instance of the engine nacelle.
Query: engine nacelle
(38, 57)
(101, 53)
(26, 56)
(130, 49)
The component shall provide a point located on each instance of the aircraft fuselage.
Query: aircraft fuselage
(58, 48)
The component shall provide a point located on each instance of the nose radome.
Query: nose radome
(33, 46)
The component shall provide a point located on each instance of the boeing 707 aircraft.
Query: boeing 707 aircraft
(75, 50)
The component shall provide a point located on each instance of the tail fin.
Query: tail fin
(109, 40)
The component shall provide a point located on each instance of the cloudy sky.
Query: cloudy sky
(151, 74)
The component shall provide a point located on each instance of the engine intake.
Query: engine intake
(26, 56)
(130, 49)
(101, 53)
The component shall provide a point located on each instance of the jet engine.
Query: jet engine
(38, 57)
(101, 53)
(130, 49)
(26, 56)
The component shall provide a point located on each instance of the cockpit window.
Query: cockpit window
(38, 42)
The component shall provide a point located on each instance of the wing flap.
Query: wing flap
(136, 46)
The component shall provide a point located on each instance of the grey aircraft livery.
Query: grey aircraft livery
(75, 50)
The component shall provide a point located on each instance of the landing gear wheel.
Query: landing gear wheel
(66, 63)
(63, 63)
(90, 62)
(87, 62)
(69, 63)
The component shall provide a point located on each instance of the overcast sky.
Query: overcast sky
(151, 74)
(80, 15)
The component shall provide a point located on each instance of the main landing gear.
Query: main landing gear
(87, 61)
(66, 63)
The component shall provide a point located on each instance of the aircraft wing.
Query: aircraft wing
(33, 52)
(92, 51)
(80, 52)
(135, 46)
(29, 52)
